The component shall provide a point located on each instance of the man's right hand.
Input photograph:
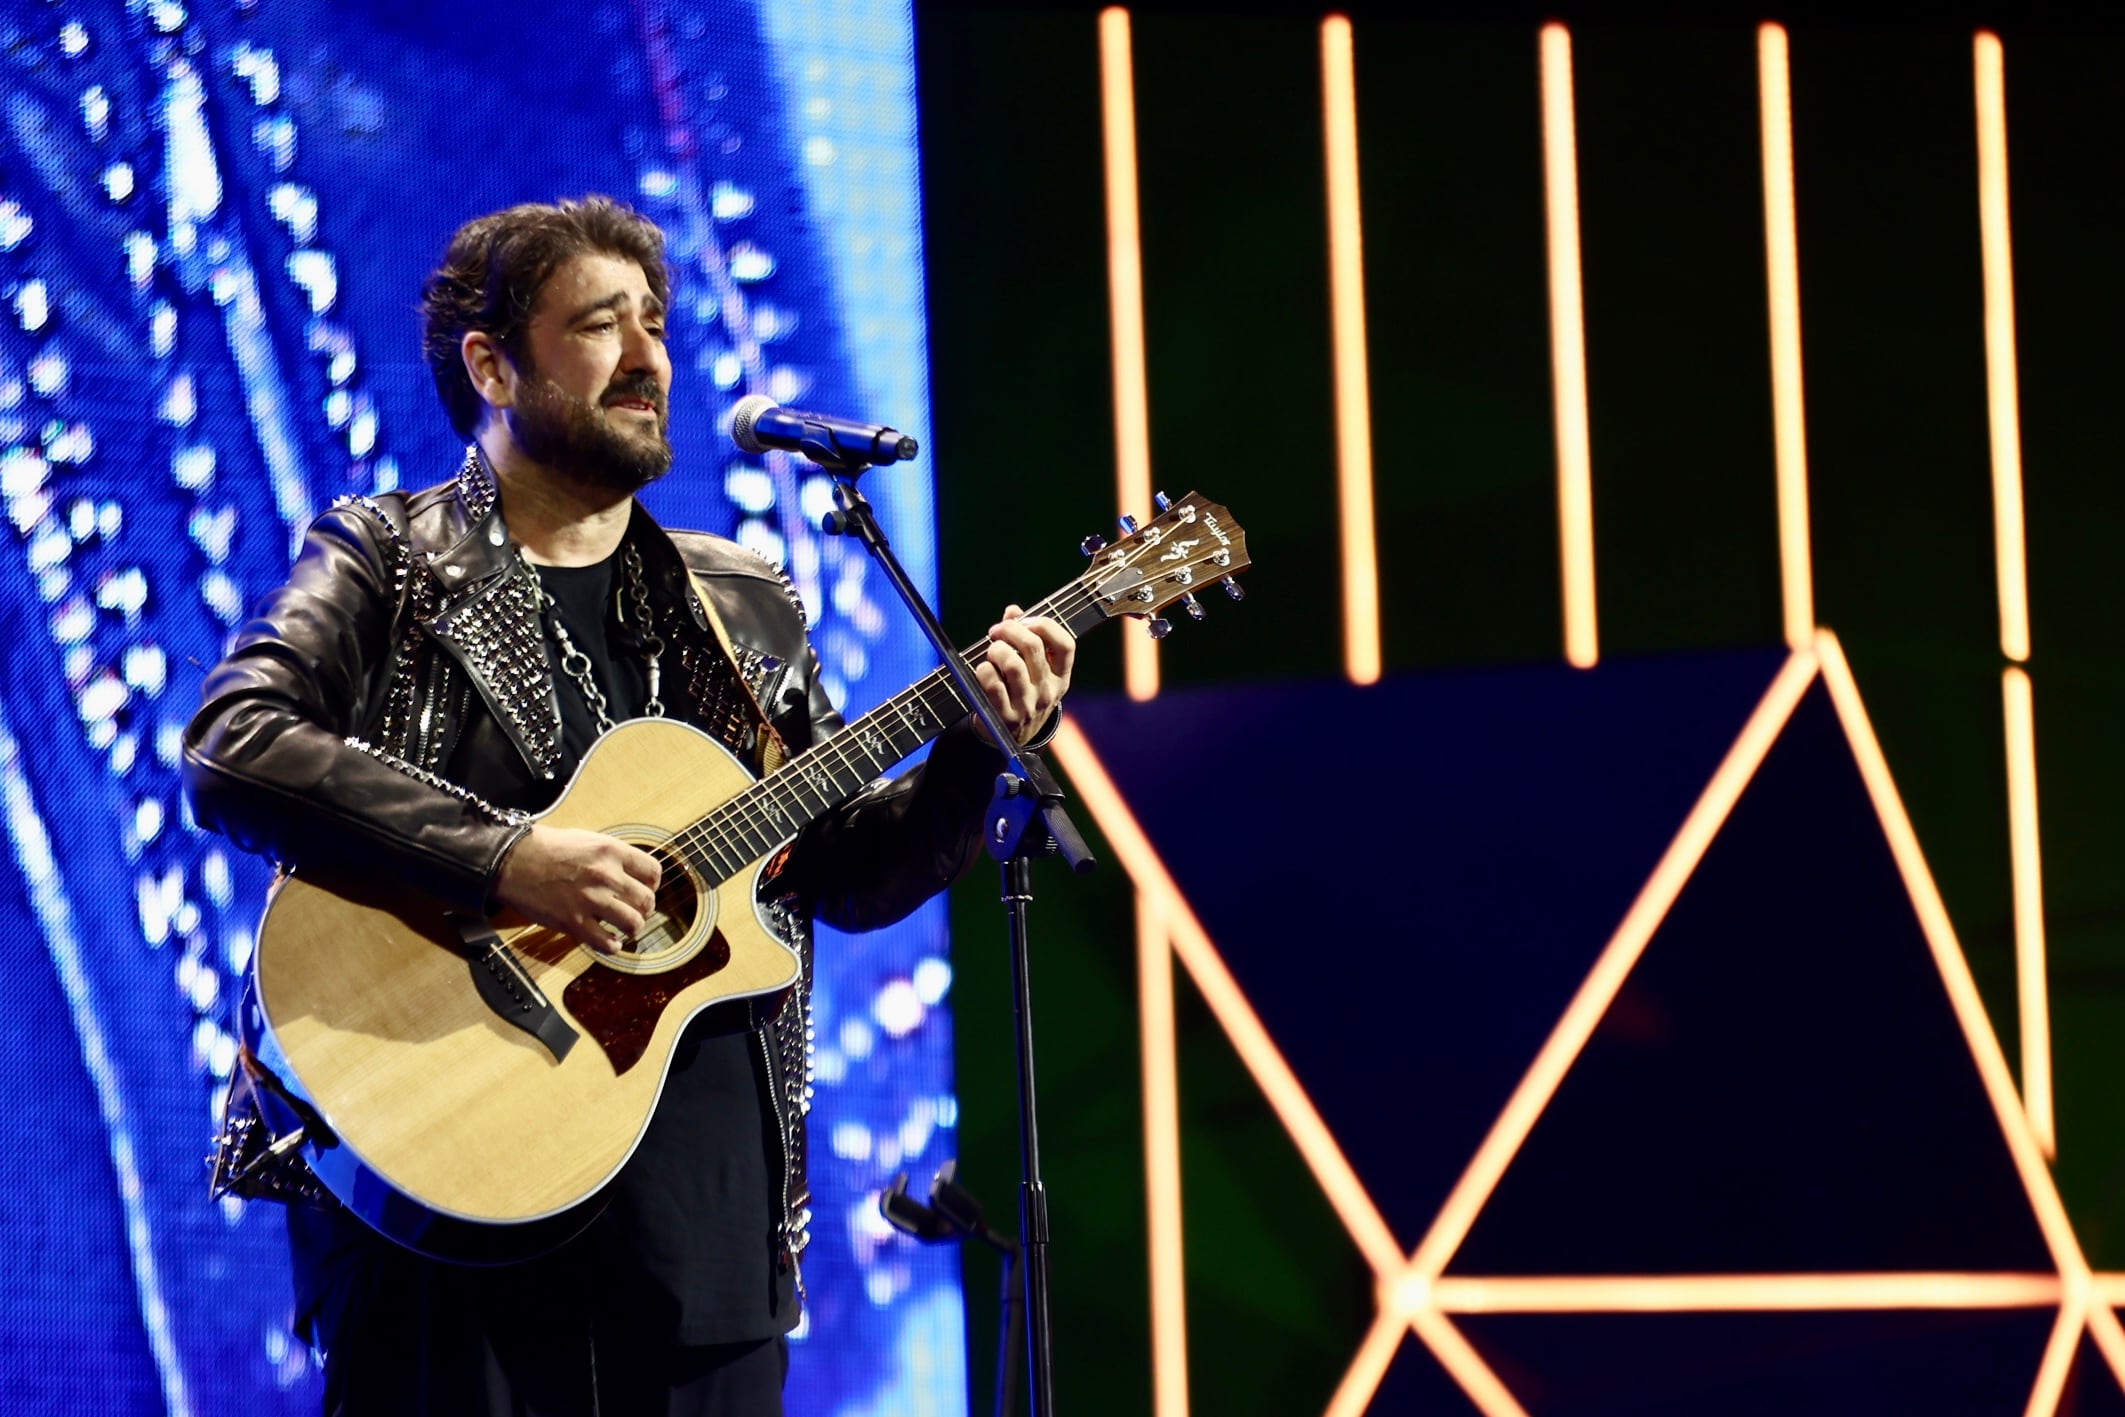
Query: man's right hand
(584, 884)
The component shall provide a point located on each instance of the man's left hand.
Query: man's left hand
(1026, 671)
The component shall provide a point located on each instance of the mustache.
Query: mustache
(643, 387)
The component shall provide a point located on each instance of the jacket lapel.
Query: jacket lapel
(488, 622)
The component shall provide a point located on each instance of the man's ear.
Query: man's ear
(493, 376)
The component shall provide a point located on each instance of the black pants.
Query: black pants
(551, 1375)
(468, 1343)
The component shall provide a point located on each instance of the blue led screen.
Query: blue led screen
(214, 220)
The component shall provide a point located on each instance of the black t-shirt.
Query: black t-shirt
(691, 1225)
(587, 604)
(685, 1250)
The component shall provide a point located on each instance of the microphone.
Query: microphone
(757, 425)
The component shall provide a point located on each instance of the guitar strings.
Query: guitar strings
(722, 841)
(740, 831)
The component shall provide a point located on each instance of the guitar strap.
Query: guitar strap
(773, 751)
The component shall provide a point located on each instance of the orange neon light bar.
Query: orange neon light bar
(2029, 947)
(1125, 303)
(1741, 1293)
(2001, 378)
(1346, 284)
(1782, 263)
(1162, 1161)
(1567, 323)
(2057, 1363)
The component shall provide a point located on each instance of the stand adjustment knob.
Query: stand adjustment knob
(1160, 628)
(1232, 588)
(1093, 545)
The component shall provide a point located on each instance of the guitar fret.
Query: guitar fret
(775, 808)
(751, 818)
(718, 851)
(730, 834)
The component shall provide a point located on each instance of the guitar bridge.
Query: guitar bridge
(506, 987)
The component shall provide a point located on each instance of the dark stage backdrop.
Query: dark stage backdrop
(214, 219)
(1236, 304)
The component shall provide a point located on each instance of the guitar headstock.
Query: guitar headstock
(1187, 547)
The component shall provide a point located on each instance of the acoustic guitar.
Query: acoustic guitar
(468, 1086)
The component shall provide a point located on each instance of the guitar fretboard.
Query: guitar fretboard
(780, 805)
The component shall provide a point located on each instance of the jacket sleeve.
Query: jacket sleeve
(266, 758)
(901, 840)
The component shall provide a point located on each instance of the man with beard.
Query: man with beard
(430, 674)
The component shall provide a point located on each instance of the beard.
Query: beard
(576, 437)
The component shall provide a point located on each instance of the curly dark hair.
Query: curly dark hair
(494, 268)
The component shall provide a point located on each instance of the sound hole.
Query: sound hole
(678, 907)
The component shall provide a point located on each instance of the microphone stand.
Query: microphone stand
(1025, 819)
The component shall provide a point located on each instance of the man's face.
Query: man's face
(593, 392)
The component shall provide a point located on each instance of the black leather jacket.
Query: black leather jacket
(406, 638)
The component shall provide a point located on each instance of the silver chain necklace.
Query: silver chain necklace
(576, 664)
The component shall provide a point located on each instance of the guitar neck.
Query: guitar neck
(780, 805)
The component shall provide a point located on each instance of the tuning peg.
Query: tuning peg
(1093, 544)
(1193, 606)
(1232, 588)
(1128, 524)
(1160, 628)
(1161, 501)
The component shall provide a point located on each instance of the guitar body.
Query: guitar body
(448, 1123)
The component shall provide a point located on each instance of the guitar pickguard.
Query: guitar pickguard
(621, 1011)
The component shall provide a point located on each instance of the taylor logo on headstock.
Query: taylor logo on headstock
(1154, 566)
